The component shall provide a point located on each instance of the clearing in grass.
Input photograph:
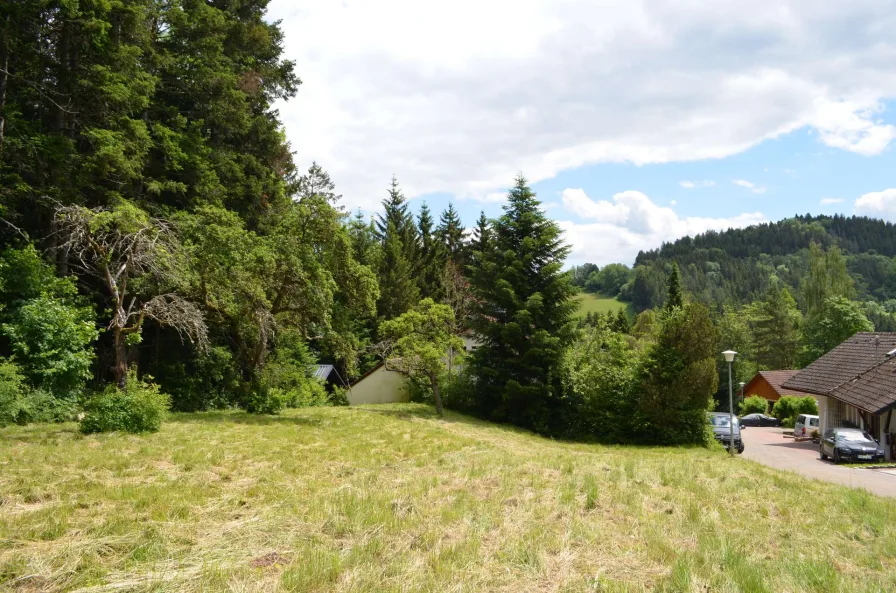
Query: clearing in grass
(390, 498)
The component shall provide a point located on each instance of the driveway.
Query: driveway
(769, 447)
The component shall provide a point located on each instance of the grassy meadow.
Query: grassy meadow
(595, 303)
(389, 499)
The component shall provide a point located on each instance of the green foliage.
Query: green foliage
(674, 297)
(838, 319)
(52, 342)
(753, 405)
(450, 234)
(609, 280)
(775, 324)
(139, 407)
(600, 373)
(524, 317)
(37, 406)
(418, 343)
(788, 407)
(678, 378)
(266, 400)
(827, 277)
(12, 392)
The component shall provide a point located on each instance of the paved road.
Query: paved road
(769, 447)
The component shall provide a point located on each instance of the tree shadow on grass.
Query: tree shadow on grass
(235, 417)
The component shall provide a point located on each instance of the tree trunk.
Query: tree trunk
(437, 396)
(120, 368)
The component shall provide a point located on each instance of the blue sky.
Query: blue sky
(636, 123)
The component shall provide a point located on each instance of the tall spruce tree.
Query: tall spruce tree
(430, 270)
(523, 319)
(398, 287)
(450, 233)
(827, 277)
(775, 322)
(674, 297)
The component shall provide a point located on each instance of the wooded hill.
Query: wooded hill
(733, 267)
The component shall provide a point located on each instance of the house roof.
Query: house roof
(873, 391)
(776, 380)
(322, 371)
(845, 372)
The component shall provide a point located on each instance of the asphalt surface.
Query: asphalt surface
(769, 447)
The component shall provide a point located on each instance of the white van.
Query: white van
(804, 426)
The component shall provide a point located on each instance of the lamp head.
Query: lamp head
(729, 355)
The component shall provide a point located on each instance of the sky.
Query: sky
(636, 122)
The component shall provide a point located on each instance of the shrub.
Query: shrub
(678, 378)
(139, 407)
(789, 407)
(41, 406)
(307, 395)
(266, 400)
(12, 391)
(51, 341)
(753, 405)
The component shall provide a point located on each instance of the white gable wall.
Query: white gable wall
(379, 387)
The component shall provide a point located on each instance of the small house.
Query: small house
(769, 385)
(379, 385)
(855, 384)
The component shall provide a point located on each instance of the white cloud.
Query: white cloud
(459, 96)
(829, 201)
(616, 231)
(695, 184)
(878, 204)
(672, 202)
(756, 189)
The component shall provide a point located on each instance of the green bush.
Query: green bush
(789, 407)
(139, 407)
(753, 405)
(12, 392)
(41, 406)
(51, 341)
(266, 400)
(307, 395)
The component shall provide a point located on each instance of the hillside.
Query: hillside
(390, 499)
(733, 267)
(595, 303)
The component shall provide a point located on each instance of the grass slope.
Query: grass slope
(595, 303)
(390, 499)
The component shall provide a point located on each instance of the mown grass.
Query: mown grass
(595, 303)
(391, 499)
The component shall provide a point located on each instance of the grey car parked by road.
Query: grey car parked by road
(722, 431)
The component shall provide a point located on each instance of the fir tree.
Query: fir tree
(430, 270)
(450, 233)
(398, 288)
(775, 323)
(673, 295)
(523, 318)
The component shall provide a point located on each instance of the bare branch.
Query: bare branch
(176, 312)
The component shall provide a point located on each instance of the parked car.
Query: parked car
(804, 425)
(850, 444)
(759, 420)
(722, 431)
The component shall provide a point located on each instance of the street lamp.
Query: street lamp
(742, 392)
(729, 358)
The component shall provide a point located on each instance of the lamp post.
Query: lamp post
(729, 358)
(741, 400)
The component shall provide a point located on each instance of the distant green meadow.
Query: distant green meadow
(595, 303)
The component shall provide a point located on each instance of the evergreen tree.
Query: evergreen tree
(827, 277)
(317, 182)
(365, 246)
(523, 318)
(450, 233)
(621, 322)
(775, 323)
(430, 271)
(398, 287)
(673, 294)
(481, 233)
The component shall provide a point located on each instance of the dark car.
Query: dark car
(722, 432)
(759, 420)
(850, 444)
